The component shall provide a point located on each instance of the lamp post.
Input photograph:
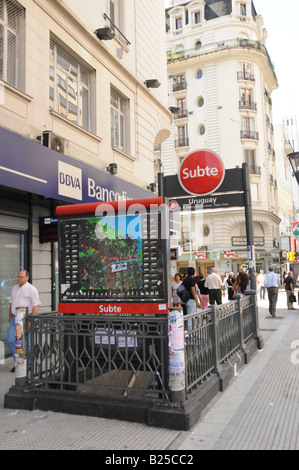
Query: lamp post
(294, 161)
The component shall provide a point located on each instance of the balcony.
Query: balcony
(252, 135)
(179, 87)
(183, 142)
(255, 170)
(246, 76)
(219, 46)
(247, 105)
(183, 113)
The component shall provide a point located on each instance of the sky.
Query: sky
(281, 22)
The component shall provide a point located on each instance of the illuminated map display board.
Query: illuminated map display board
(113, 257)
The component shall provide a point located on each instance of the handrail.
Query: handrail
(115, 27)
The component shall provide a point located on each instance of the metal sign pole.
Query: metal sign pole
(249, 225)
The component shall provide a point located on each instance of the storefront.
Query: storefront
(225, 261)
(33, 181)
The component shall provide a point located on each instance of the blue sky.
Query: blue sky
(281, 22)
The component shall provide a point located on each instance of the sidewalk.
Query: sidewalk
(258, 411)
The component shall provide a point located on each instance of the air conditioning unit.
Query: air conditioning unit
(53, 141)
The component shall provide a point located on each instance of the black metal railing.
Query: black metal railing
(220, 46)
(214, 335)
(128, 356)
(103, 355)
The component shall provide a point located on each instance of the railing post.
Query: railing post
(238, 297)
(257, 336)
(215, 337)
(176, 342)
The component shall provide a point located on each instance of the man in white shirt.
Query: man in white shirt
(23, 294)
(272, 282)
(261, 284)
(214, 284)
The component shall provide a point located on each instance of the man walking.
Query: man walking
(289, 286)
(272, 283)
(23, 294)
(215, 286)
(261, 284)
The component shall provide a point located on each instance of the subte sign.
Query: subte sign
(201, 172)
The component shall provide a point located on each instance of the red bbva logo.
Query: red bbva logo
(201, 172)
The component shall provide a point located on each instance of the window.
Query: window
(12, 44)
(254, 192)
(182, 136)
(178, 23)
(246, 97)
(202, 130)
(180, 83)
(198, 46)
(250, 158)
(243, 9)
(181, 103)
(199, 74)
(119, 121)
(113, 12)
(200, 102)
(71, 87)
(248, 127)
(197, 17)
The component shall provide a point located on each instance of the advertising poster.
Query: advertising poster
(20, 342)
(176, 351)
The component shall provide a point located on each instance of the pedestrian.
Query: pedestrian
(204, 291)
(230, 284)
(241, 283)
(272, 283)
(261, 284)
(176, 301)
(289, 287)
(214, 283)
(190, 285)
(225, 281)
(23, 294)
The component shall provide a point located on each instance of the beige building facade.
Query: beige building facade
(221, 79)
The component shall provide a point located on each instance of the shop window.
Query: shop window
(13, 258)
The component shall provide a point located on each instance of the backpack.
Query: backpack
(183, 293)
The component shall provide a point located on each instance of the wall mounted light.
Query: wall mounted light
(174, 109)
(105, 34)
(152, 187)
(112, 168)
(153, 83)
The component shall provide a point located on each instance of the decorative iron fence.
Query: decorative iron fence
(104, 355)
(128, 356)
(216, 334)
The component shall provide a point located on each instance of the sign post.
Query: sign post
(201, 174)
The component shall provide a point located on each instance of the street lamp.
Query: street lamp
(294, 161)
